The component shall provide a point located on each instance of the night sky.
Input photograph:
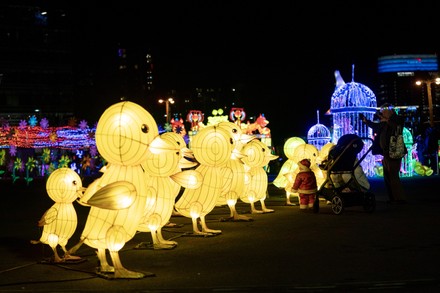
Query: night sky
(282, 52)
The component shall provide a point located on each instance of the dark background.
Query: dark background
(282, 53)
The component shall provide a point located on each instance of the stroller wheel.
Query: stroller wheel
(369, 202)
(337, 204)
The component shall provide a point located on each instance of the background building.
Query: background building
(397, 76)
(36, 62)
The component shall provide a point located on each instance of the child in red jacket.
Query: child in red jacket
(305, 185)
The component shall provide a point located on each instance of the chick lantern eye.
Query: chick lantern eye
(144, 128)
(74, 182)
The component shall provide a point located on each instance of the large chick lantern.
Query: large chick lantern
(118, 198)
(257, 156)
(284, 178)
(164, 180)
(234, 186)
(59, 222)
(212, 148)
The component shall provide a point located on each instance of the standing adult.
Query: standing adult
(421, 148)
(431, 147)
(383, 129)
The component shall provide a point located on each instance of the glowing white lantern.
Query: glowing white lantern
(285, 178)
(212, 148)
(161, 165)
(235, 179)
(257, 155)
(118, 198)
(59, 222)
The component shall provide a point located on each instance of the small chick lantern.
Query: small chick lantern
(234, 185)
(257, 155)
(284, 178)
(212, 148)
(164, 181)
(59, 222)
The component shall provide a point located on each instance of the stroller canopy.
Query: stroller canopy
(343, 155)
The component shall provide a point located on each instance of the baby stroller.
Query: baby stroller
(342, 163)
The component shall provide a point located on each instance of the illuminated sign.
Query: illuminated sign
(408, 63)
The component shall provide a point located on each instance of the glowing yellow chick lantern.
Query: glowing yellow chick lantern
(164, 181)
(284, 178)
(234, 185)
(310, 152)
(59, 222)
(118, 198)
(323, 153)
(257, 155)
(212, 148)
(306, 151)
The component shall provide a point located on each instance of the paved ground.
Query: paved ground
(395, 248)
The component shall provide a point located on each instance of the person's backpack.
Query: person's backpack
(397, 148)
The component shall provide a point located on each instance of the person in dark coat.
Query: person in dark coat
(387, 125)
(421, 148)
(431, 147)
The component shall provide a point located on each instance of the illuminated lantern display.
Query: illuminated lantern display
(217, 117)
(235, 184)
(323, 152)
(195, 117)
(257, 155)
(347, 102)
(162, 188)
(59, 222)
(178, 126)
(305, 151)
(117, 199)
(318, 135)
(237, 115)
(407, 166)
(321, 159)
(259, 129)
(212, 148)
(285, 174)
(309, 151)
(422, 170)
